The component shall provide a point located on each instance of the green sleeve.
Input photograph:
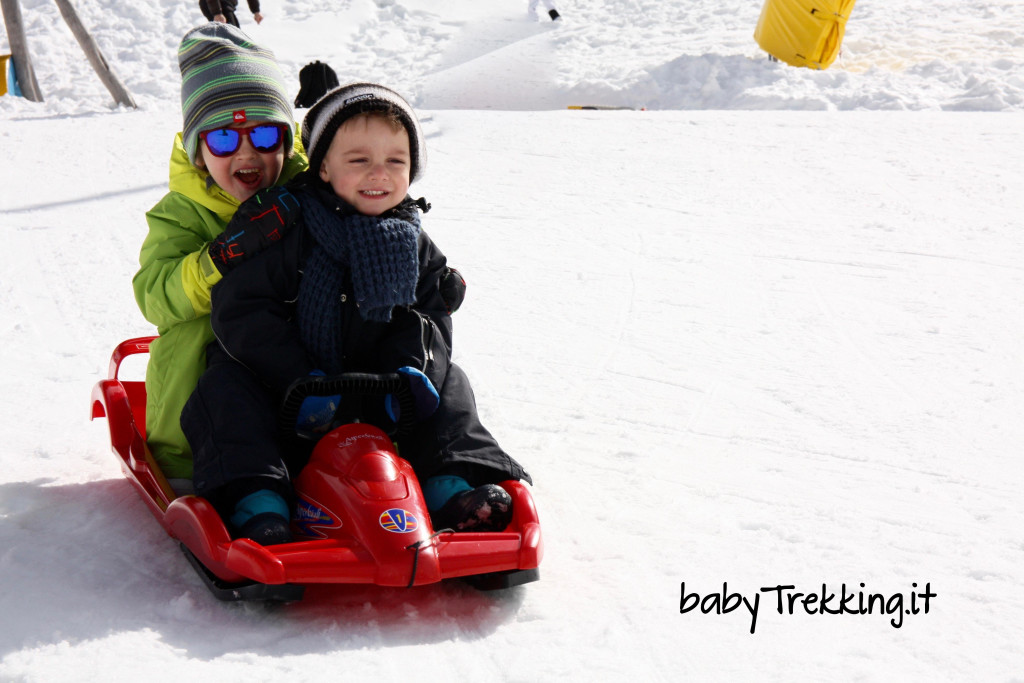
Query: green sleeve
(176, 274)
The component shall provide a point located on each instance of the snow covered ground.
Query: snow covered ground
(766, 332)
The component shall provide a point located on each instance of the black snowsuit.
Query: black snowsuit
(230, 420)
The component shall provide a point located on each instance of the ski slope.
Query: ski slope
(763, 330)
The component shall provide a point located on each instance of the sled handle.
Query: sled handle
(349, 384)
(128, 347)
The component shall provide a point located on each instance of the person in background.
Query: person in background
(223, 11)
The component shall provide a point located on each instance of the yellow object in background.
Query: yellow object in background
(3, 74)
(803, 32)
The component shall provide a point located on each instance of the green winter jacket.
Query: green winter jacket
(172, 289)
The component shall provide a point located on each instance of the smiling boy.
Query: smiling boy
(236, 139)
(354, 286)
(367, 163)
(243, 159)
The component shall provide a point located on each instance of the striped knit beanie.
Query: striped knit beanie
(342, 103)
(225, 79)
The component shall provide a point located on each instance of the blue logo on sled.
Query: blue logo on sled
(309, 515)
(398, 521)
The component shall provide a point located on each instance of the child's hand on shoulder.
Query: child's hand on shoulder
(259, 222)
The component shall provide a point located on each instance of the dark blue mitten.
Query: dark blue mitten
(424, 395)
(316, 412)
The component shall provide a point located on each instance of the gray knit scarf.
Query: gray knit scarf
(381, 254)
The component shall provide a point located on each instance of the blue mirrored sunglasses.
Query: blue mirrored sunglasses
(222, 142)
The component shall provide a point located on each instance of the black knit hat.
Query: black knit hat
(342, 103)
(225, 79)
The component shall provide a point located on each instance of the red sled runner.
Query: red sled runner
(360, 518)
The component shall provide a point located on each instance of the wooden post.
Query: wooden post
(19, 51)
(92, 51)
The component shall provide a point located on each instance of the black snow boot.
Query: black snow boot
(555, 16)
(268, 528)
(485, 508)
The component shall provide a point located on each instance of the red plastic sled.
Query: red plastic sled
(360, 519)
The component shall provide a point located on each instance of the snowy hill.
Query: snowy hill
(766, 332)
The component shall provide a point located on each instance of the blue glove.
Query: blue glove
(316, 412)
(423, 393)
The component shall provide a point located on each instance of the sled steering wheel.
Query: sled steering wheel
(350, 384)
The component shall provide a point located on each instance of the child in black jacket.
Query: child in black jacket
(353, 286)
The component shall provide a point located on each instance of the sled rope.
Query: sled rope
(417, 547)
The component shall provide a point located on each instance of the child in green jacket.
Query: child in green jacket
(237, 138)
